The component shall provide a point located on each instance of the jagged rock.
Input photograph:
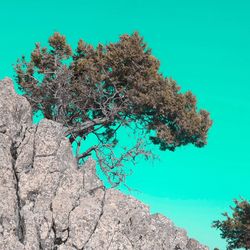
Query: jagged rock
(46, 202)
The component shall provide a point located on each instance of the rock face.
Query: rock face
(46, 202)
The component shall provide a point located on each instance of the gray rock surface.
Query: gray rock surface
(46, 202)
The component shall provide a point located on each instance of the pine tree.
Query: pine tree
(236, 228)
(97, 90)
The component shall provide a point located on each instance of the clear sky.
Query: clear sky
(205, 47)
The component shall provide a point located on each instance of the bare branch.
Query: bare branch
(87, 152)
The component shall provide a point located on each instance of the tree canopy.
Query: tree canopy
(236, 228)
(97, 90)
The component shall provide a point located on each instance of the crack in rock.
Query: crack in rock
(20, 221)
(98, 220)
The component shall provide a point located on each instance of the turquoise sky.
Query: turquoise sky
(205, 46)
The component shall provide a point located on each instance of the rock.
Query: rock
(46, 202)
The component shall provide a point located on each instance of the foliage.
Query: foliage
(98, 90)
(236, 229)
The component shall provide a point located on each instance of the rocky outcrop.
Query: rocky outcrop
(46, 202)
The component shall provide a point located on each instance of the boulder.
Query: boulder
(47, 202)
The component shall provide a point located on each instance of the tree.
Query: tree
(236, 229)
(99, 90)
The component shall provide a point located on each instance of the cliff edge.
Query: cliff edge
(46, 202)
